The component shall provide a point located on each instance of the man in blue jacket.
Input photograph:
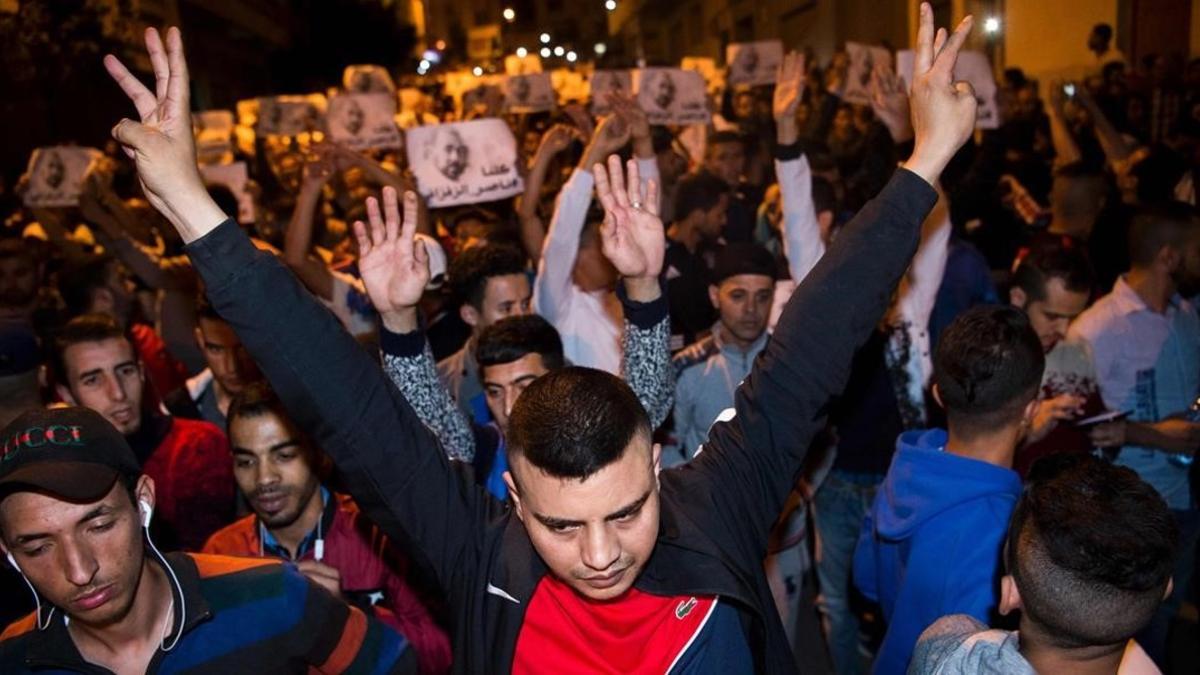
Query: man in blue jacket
(931, 543)
(588, 503)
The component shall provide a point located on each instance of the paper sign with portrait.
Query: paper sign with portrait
(288, 115)
(528, 93)
(367, 79)
(236, 177)
(214, 136)
(604, 82)
(464, 162)
(362, 121)
(671, 95)
(56, 175)
(973, 67)
(753, 63)
(862, 60)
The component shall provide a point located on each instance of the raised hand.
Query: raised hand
(889, 101)
(554, 141)
(394, 265)
(632, 235)
(943, 111)
(161, 144)
(789, 89)
(626, 106)
(610, 136)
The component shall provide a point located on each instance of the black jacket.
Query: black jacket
(717, 511)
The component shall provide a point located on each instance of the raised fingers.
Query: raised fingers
(948, 54)
(391, 214)
(409, 229)
(364, 241)
(177, 84)
(634, 182)
(651, 201)
(923, 58)
(939, 41)
(143, 100)
(375, 219)
(158, 61)
(617, 178)
(603, 189)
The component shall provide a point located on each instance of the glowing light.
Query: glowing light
(424, 65)
(558, 51)
(522, 52)
(600, 48)
(571, 56)
(545, 38)
(545, 52)
(478, 71)
(610, 5)
(509, 14)
(991, 25)
(440, 44)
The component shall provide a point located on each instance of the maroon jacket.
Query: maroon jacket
(367, 564)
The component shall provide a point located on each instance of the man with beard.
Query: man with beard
(664, 91)
(95, 366)
(298, 519)
(1145, 341)
(354, 118)
(449, 153)
(55, 171)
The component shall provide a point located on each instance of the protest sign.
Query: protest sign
(286, 115)
(671, 95)
(236, 177)
(753, 63)
(604, 82)
(367, 79)
(569, 85)
(56, 175)
(464, 162)
(528, 93)
(973, 67)
(214, 136)
(361, 121)
(862, 60)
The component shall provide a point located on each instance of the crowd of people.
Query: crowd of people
(819, 386)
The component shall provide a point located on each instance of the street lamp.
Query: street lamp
(600, 48)
(610, 5)
(477, 71)
(522, 52)
(991, 25)
(545, 52)
(558, 51)
(545, 38)
(509, 14)
(571, 56)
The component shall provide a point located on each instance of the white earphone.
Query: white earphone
(146, 511)
(13, 561)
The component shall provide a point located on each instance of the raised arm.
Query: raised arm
(297, 241)
(392, 464)
(755, 456)
(533, 231)
(802, 244)
(1066, 150)
(561, 247)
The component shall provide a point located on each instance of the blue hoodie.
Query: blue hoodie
(931, 543)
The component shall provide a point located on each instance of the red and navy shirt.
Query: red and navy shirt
(565, 632)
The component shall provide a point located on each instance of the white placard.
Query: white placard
(753, 63)
(528, 93)
(606, 81)
(214, 136)
(236, 177)
(56, 175)
(288, 115)
(362, 121)
(367, 79)
(974, 67)
(671, 95)
(464, 162)
(862, 60)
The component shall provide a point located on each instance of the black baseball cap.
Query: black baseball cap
(72, 453)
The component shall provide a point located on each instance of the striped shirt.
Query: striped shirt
(243, 616)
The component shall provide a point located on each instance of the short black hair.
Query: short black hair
(460, 216)
(515, 337)
(1103, 31)
(1157, 226)
(82, 276)
(725, 136)
(204, 308)
(574, 421)
(81, 329)
(743, 257)
(469, 271)
(1091, 547)
(259, 399)
(697, 192)
(988, 366)
(1056, 258)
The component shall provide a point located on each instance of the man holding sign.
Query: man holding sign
(603, 560)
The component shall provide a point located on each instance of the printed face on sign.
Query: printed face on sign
(289, 115)
(464, 162)
(367, 79)
(671, 96)
(56, 175)
(604, 82)
(754, 63)
(528, 93)
(448, 153)
(354, 118)
(862, 60)
(363, 121)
